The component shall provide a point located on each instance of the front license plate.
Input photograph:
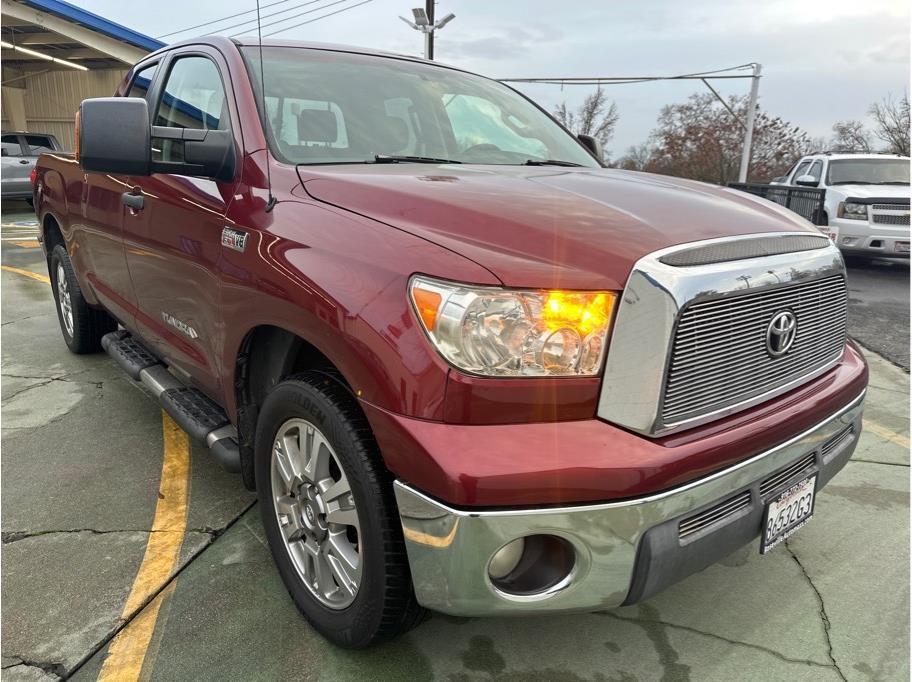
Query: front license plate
(788, 512)
(901, 247)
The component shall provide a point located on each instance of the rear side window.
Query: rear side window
(193, 97)
(142, 81)
(37, 144)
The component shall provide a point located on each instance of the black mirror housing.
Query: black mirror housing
(593, 145)
(114, 136)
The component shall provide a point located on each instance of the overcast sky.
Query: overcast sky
(823, 60)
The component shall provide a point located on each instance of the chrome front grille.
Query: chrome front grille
(719, 356)
(890, 214)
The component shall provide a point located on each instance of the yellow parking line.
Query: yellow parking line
(886, 434)
(26, 273)
(26, 243)
(128, 649)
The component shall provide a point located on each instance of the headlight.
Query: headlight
(504, 332)
(853, 211)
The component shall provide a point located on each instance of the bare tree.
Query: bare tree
(700, 139)
(596, 116)
(892, 121)
(850, 136)
(637, 157)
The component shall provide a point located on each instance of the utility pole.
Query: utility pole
(424, 22)
(429, 35)
(749, 125)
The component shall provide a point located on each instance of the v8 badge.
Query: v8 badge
(234, 239)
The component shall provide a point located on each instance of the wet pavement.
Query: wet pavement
(82, 467)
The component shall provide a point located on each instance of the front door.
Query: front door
(173, 239)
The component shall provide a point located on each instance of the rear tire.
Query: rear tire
(324, 494)
(82, 327)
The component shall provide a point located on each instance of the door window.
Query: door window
(11, 145)
(193, 97)
(802, 168)
(142, 81)
(816, 170)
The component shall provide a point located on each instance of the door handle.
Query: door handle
(23, 161)
(134, 201)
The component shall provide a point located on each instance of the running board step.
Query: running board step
(130, 354)
(193, 411)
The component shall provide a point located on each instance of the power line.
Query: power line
(251, 23)
(295, 16)
(624, 80)
(338, 11)
(216, 21)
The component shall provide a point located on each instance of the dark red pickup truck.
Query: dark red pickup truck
(466, 367)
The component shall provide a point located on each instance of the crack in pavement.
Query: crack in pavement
(874, 461)
(28, 317)
(44, 381)
(58, 670)
(214, 534)
(824, 618)
(736, 642)
(15, 535)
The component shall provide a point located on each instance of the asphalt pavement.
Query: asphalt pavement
(879, 306)
(128, 554)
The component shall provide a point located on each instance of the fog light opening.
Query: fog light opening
(531, 565)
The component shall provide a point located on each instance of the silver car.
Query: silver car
(19, 153)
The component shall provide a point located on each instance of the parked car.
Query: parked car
(465, 367)
(19, 153)
(866, 202)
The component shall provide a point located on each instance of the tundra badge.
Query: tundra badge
(180, 325)
(234, 239)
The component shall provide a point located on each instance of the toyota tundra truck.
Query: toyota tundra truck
(465, 367)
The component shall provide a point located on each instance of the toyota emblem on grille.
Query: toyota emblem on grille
(780, 334)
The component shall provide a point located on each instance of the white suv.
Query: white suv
(867, 199)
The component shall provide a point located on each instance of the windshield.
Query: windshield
(332, 107)
(868, 172)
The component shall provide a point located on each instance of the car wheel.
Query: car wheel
(330, 515)
(81, 325)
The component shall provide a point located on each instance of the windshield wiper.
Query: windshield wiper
(551, 162)
(383, 158)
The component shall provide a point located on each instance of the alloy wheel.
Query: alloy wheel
(63, 296)
(316, 513)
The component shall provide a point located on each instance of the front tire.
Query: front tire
(82, 326)
(329, 514)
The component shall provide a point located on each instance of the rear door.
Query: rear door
(173, 244)
(16, 166)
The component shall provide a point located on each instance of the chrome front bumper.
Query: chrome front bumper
(449, 549)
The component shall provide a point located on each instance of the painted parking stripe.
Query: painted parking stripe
(26, 243)
(127, 652)
(26, 273)
(886, 434)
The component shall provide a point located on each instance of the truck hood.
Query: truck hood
(871, 191)
(546, 227)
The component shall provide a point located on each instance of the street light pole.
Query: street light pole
(424, 22)
(749, 125)
(429, 35)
